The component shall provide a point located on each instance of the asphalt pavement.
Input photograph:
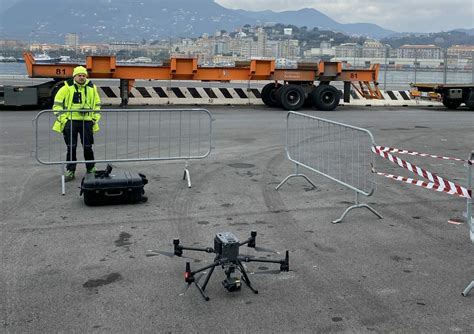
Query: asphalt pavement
(71, 268)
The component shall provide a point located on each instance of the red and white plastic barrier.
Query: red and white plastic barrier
(436, 183)
(400, 151)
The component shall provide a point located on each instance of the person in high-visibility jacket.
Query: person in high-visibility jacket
(76, 106)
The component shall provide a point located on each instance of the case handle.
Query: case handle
(106, 193)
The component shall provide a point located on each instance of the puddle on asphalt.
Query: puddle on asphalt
(123, 239)
(110, 278)
(241, 165)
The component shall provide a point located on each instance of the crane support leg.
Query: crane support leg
(124, 92)
(347, 91)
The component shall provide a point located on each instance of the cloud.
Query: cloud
(402, 15)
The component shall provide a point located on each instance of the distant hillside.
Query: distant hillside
(107, 20)
(111, 20)
(466, 31)
(441, 39)
(312, 18)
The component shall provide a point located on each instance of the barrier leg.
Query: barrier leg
(63, 181)
(186, 175)
(469, 219)
(468, 289)
(355, 206)
(297, 174)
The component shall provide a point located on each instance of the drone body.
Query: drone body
(226, 248)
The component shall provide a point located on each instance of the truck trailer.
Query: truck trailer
(452, 95)
(290, 89)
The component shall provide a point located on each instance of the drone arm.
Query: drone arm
(284, 264)
(207, 249)
(248, 259)
(178, 249)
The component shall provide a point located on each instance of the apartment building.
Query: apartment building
(420, 52)
(461, 51)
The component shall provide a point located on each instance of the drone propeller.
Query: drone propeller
(265, 250)
(168, 254)
(197, 278)
(266, 272)
(249, 256)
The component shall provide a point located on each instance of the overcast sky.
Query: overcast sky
(398, 15)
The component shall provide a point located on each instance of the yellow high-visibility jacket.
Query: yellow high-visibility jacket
(64, 101)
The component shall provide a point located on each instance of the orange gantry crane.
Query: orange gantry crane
(289, 89)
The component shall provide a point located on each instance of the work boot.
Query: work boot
(69, 175)
(91, 170)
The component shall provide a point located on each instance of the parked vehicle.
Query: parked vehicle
(290, 89)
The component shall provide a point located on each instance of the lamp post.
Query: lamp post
(445, 70)
(472, 66)
(355, 45)
(385, 68)
(416, 61)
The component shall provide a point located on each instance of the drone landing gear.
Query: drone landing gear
(230, 283)
(246, 278)
(190, 278)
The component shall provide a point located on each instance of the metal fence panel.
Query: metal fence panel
(133, 135)
(337, 151)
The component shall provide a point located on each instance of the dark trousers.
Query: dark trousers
(84, 130)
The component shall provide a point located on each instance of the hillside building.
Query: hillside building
(420, 52)
(71, 40)
(347, 50)
(461, 51)
(373, 49)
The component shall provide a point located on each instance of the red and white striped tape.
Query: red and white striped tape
(437, 182)
(399, 151)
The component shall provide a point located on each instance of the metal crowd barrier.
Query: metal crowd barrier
(468, 215)
(337, 151)
(132, 135)
(470, 184)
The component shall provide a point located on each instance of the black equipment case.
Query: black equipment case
(119, 187)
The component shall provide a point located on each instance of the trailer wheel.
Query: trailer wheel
(45, 94)
(470, 100)
(269, 96)
(291, 97)
(451, 104)
(45, 103)
(326, 97)
(470, 104)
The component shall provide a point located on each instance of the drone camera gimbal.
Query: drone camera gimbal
(226, 248)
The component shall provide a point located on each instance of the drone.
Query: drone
(226, 248)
